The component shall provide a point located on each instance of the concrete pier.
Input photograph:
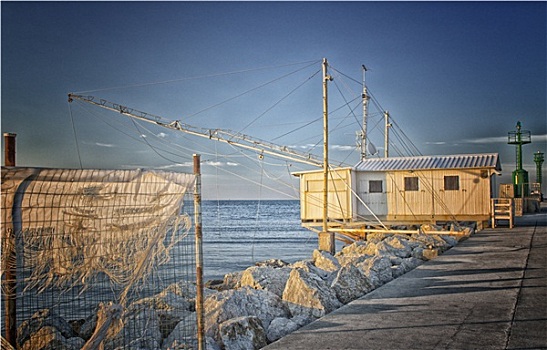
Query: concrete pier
(489, 292)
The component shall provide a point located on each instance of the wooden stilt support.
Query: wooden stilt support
(200, 315)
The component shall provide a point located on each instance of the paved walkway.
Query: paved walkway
(489, 292)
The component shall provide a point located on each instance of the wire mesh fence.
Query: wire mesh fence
(98, 258)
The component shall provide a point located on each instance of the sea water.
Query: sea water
(237, 234)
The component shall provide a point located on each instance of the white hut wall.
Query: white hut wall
(372, 190)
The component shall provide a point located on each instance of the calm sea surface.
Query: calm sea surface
(236, 234)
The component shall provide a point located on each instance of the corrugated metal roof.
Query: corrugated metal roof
(460, 161)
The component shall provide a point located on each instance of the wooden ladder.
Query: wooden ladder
(502, 209)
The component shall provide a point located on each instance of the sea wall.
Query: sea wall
(247, 309)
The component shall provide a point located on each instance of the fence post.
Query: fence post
(200, 315)
(10, 276)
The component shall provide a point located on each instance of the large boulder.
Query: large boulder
(377, 269)
(49, 338)
(243, 333)
(309, 295)
(245, 301)
(267, 278)
(404, 266)
(183, 335)
(280, 327)
(232, 280)
(430, 241)
(398, 245)
(40, 319)
(353, 253)
(171, 306)
(325, 261)
(350, 283)
(140, 329)
(308, 266)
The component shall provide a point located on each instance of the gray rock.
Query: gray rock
(377, 269)
(243, 333)
(451, 241)
(353, 253)
(308, 266)
(245, 301)
(42, 319)
(404, 266)
(49, 338)
(171, 306)
(309, 295)
(418, 253)
(232, 280)
(272, 263)
(325, 261)
(398, 245)
(183, 335)
(266, 278)
(376, 237)
(141, 329)
(431, 241)
(280, 327)
(350, 283)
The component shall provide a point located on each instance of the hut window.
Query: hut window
(375, 186)
(451, 183)
(411, 184)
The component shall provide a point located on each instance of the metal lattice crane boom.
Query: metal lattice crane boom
(222, 135)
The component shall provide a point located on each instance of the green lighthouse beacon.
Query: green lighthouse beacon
(538, 159)
(520, 176)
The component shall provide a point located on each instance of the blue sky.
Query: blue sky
(455, 76)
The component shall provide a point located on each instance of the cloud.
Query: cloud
(343, 147)
(162, 135)
(436, 143)
(503, 139)
(310, 146)
(221, 164)
(109, 145)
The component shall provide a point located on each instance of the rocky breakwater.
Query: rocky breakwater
(255, 307)
(247, 309)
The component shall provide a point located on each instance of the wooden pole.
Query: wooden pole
(200, 315)
(326, 238)
(386, 134)
(10, 275)
(9, 149)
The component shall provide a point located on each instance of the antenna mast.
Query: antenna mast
(363, 133)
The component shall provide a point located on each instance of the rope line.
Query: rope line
(75, 136)
(196, 77)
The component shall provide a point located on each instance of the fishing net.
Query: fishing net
(86, 247)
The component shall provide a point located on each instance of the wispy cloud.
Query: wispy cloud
(310, 146)
(162, 135)
(436, 143)
(221, 164)
(503, 139)
(343, 147)
(176, 165)
(109, 145)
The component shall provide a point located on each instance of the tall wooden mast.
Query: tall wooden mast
(326, 238)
